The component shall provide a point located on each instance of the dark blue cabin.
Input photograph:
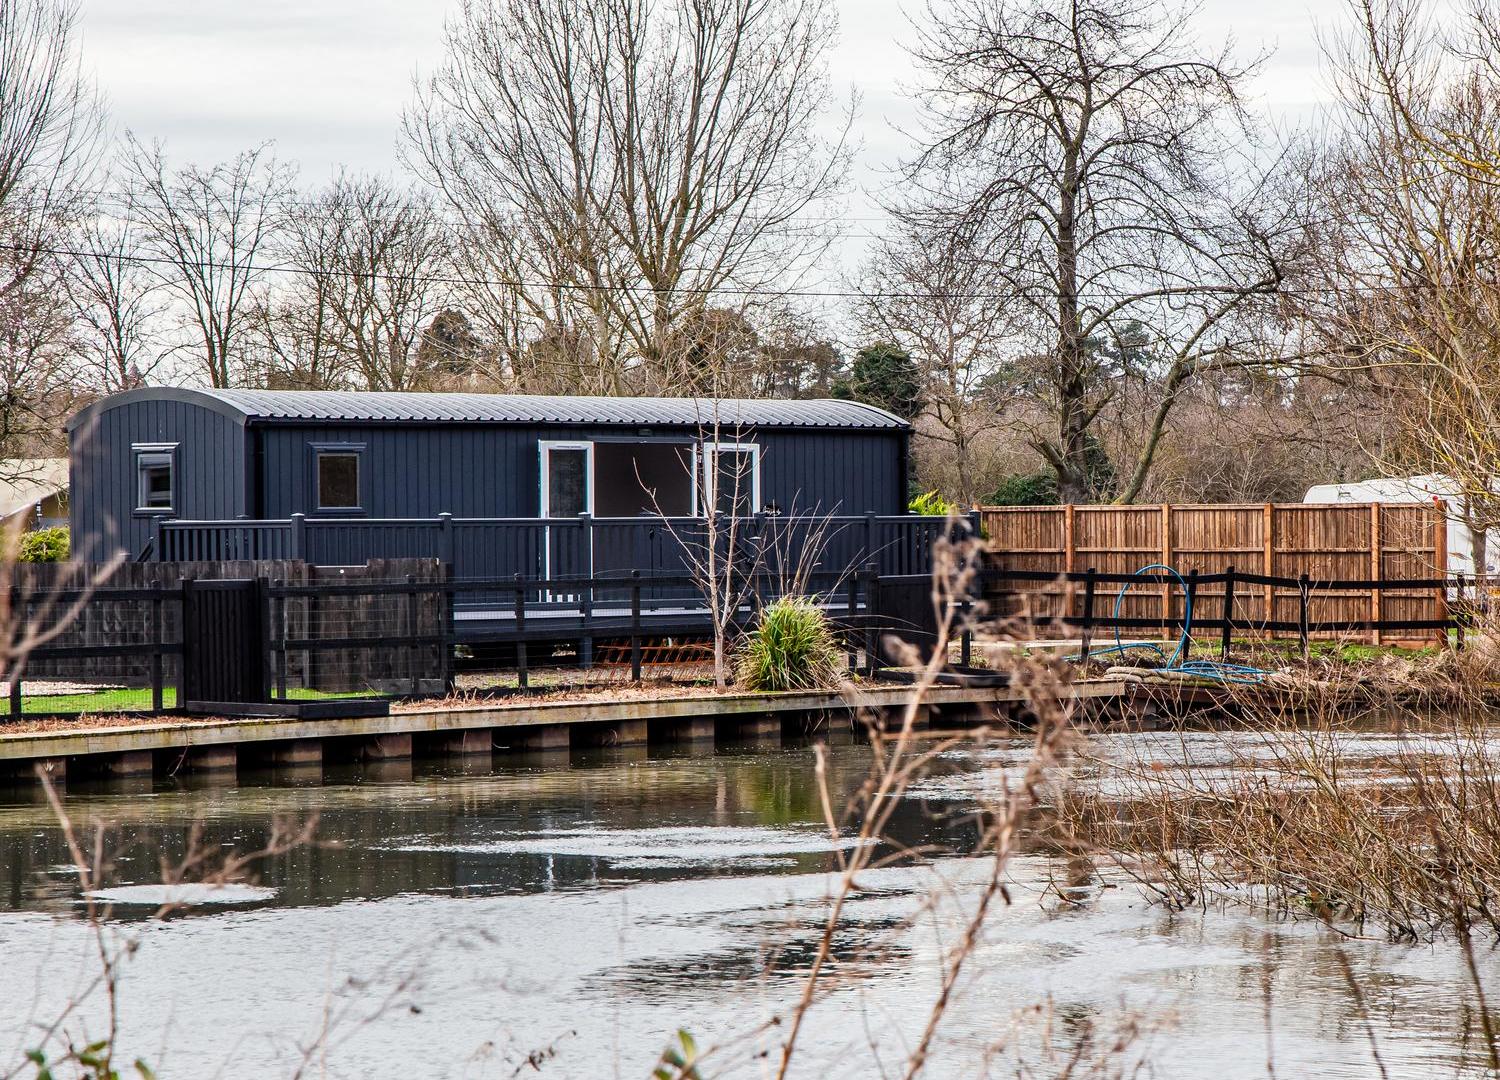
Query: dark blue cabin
(338, 477)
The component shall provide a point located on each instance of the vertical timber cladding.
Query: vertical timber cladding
(1346, 541)
(224, 642)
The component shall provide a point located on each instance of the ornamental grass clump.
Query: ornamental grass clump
(792, 648)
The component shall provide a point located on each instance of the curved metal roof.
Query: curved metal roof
(341, 406)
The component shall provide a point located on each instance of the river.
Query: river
(555, 918)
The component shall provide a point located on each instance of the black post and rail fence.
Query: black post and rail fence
(177, 645)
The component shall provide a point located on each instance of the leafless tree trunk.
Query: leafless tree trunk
(207, 229)
(1084, 145)
(621, 162)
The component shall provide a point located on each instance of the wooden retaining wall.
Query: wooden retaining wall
(1338, 542)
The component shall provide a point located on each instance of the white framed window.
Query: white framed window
(731, 478)
(338, 478)
(156, 478)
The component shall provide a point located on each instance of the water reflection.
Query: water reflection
(613, 819)
(597, 908)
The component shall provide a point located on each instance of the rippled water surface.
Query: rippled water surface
(564, 920)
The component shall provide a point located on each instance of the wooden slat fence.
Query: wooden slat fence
(1347, 542)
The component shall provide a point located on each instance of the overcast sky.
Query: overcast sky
(328, 79)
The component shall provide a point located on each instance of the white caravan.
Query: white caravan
(1419, 489)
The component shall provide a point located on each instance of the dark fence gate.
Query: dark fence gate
(224, 653)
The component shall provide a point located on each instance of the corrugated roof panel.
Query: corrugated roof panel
(334, 405)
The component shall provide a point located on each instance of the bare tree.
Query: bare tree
(1408, 293)
(1094, 154)
(619, 162)
(927, 289)
(207, 229)
(50, 122)
(383, 270)
(117, 302)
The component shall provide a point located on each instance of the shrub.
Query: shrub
(1026, 489)
(792, 648)
(932, 504)
(45, 545)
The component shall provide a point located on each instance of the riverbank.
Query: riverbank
(140, 746)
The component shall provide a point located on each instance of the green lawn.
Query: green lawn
(136, 699)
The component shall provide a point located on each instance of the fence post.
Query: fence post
(263, 601)
(1166, 560)
(851, 618)
(1089, 584)
(1375, 573)
(872, 632)
(635, 626)
(1440, 557)
(1189, 604)
(976, 524)
(1303, 585)
(157, 702)
(413, 668)
(299, 537)
(521, 677)
(869, 538)
(1462, 611)
(278, 614)
(17, 603)
(1070, 538)
(1226, 631)
(1268, 528)
(449, 622)
(445, 537)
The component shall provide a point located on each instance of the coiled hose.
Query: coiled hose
(1215, 670)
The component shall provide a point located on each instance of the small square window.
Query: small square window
(155, 483)
(338, 480)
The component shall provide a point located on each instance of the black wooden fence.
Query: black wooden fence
(343, 635)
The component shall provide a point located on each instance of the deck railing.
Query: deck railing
(581, 547)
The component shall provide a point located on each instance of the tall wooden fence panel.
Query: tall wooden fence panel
(1347, 542)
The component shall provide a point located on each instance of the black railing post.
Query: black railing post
(263, 602)
(413, 667)
(966, 638)
(521, 676)
(445, 537)
(872, 631)
(157, 702)
(635, 626)
(851, 620)
(869, 552)
(1303, 587)
(449, 622)
(156, 537)
(1089, 584)
(586, 645)
(1226, 630)
(1189, 605)
(17, 604)
(278, 612)
(299, 537)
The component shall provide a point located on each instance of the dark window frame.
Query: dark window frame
(149, 455)
(316, 452)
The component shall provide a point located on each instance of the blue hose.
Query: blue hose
(1203, 669)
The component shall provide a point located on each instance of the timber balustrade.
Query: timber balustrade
(484, 548)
